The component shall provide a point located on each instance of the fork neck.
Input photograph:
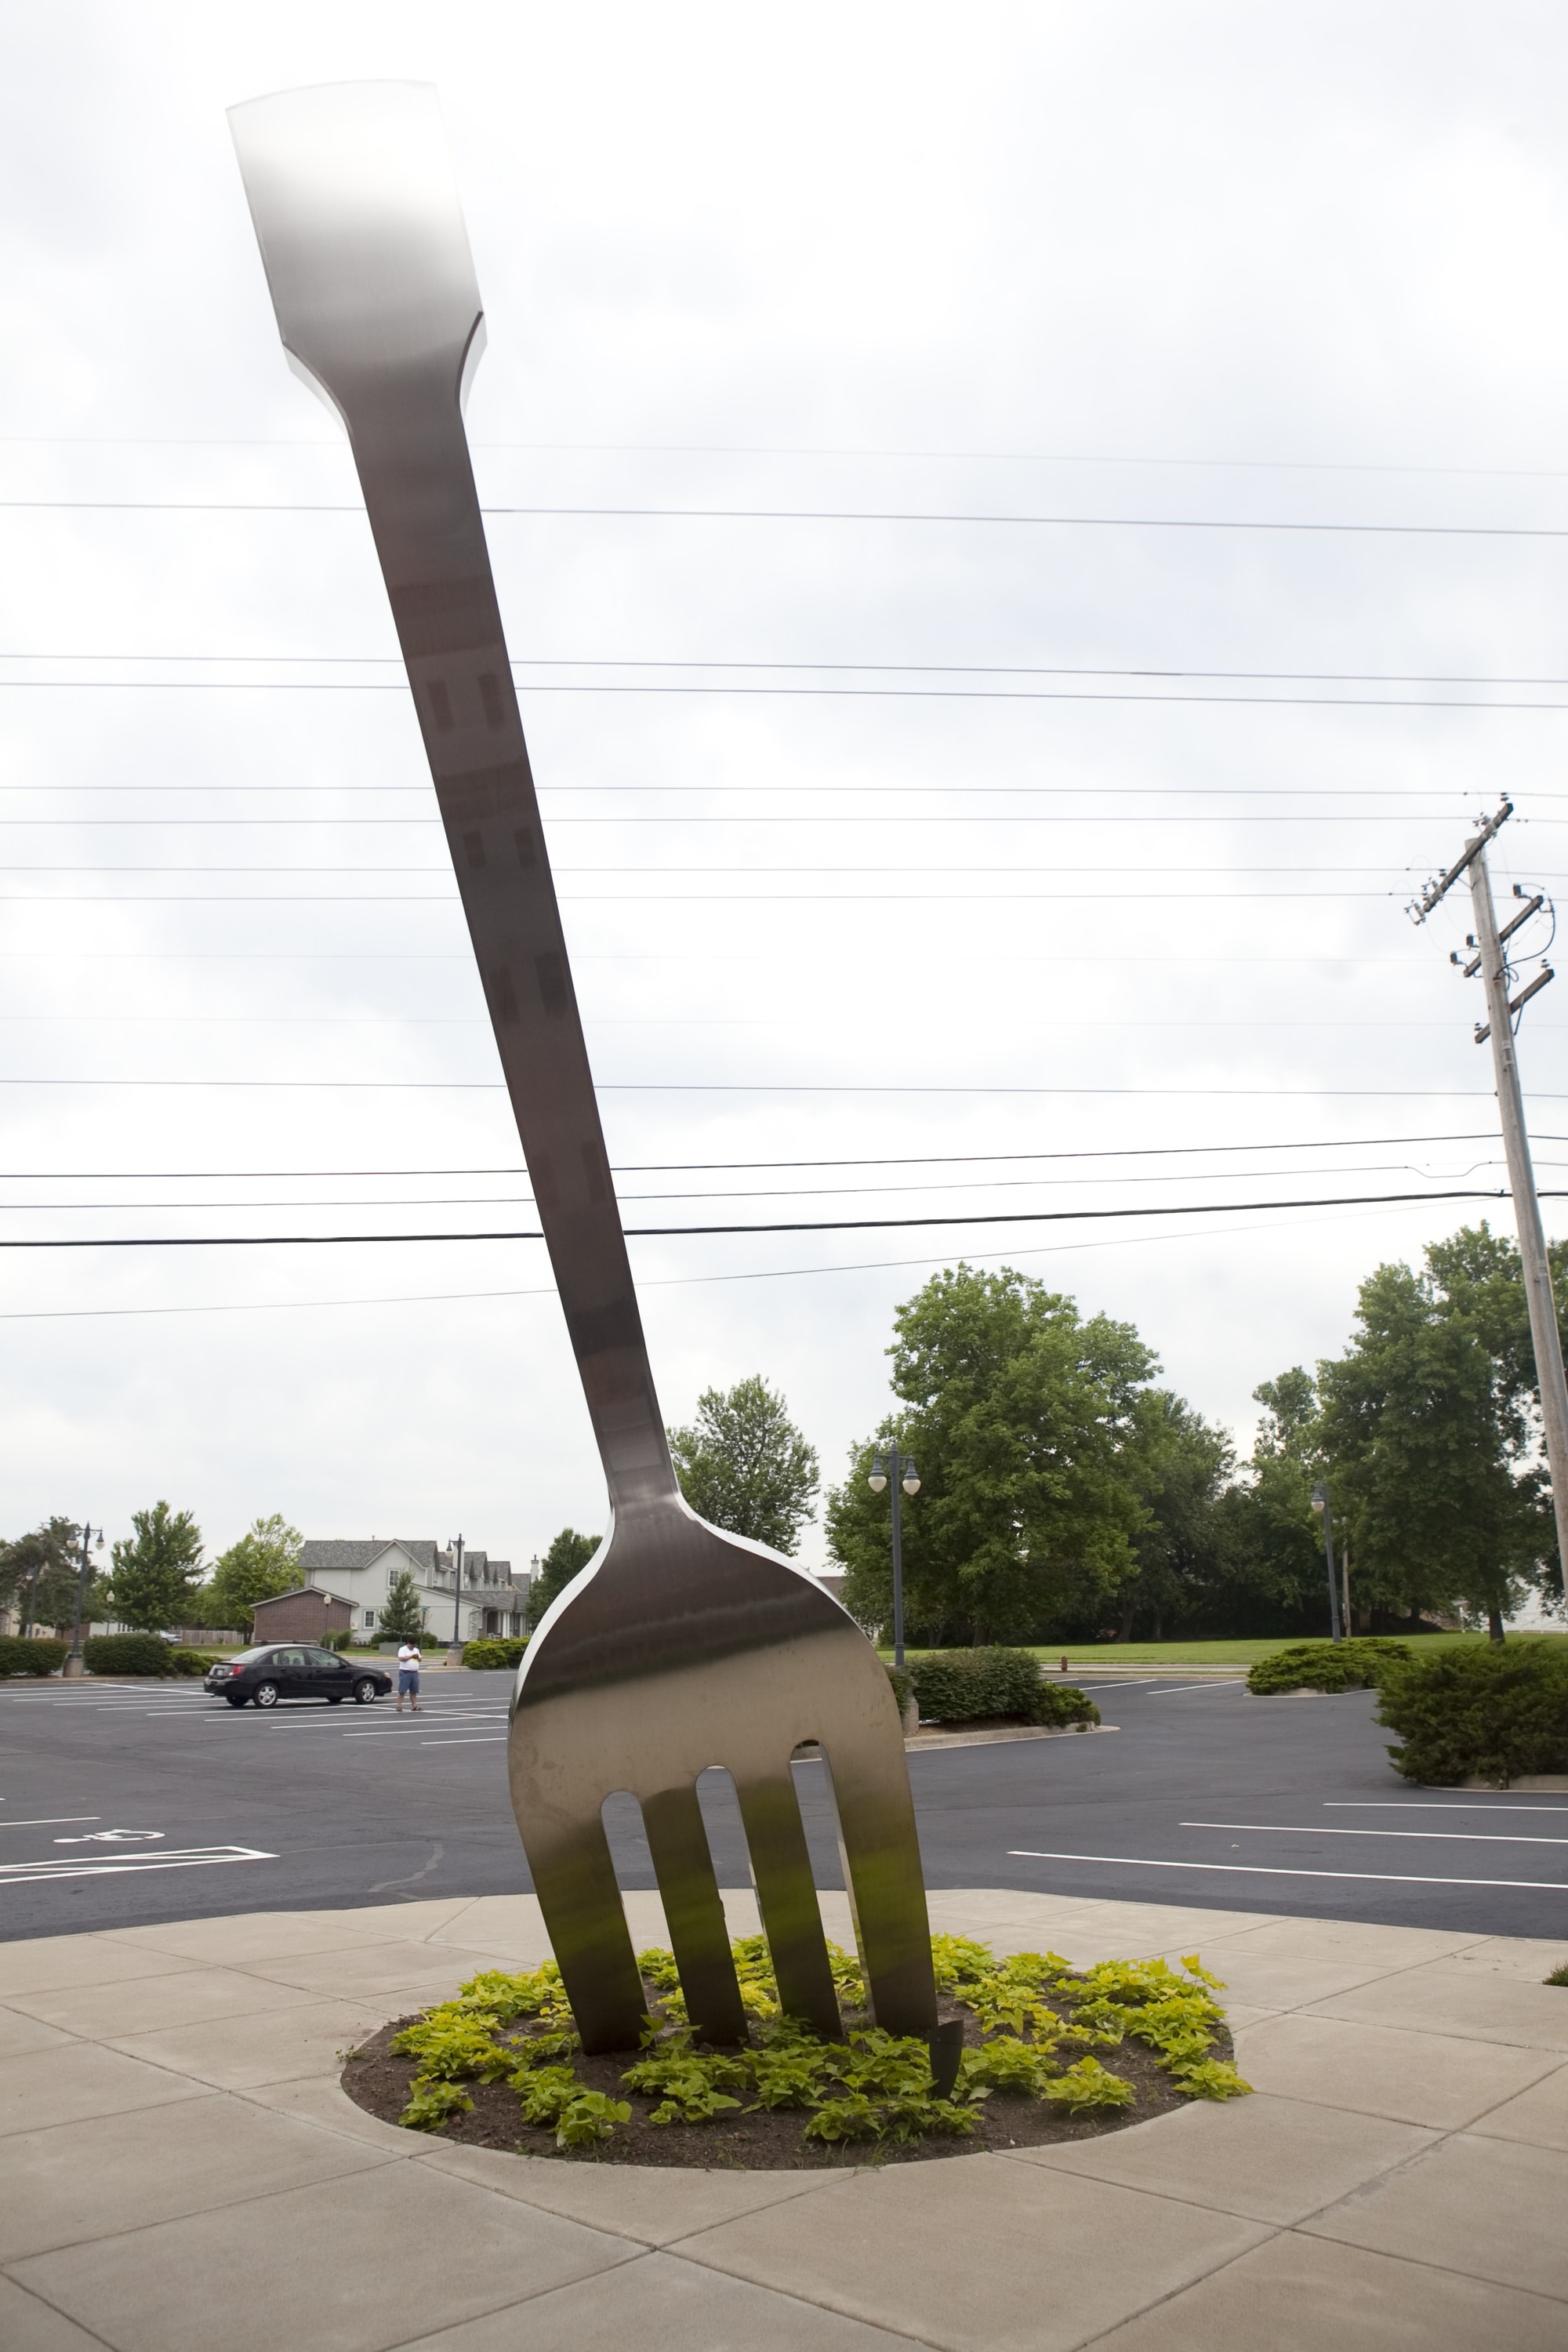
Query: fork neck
(414, 465)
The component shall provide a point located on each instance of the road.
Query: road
(128, 1804)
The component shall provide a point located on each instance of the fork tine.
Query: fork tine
(786, 1898)
(887, 1899)
(694, 1913)
(574, 1879)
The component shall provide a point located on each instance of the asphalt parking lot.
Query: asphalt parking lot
(125, 1803)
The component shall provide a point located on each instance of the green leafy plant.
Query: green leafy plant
(1558, 1976)
(433, 2103)
(546, 2093)
(1005, 2063)
(850, 2117)
(1490, 1713)
(1088, 2085)
(690, 2088)
(1211, 2078)
(535, 1992)
(1358, 1664)
(590, 2116)
(453, 2043)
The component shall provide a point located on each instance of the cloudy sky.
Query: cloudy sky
(986, 773)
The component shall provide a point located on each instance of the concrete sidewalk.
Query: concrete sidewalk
(180, 2169)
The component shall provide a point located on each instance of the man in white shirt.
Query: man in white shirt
(408, 1663)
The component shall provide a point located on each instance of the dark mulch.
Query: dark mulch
(770, 2140)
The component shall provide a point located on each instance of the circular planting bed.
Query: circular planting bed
(1051, 2052)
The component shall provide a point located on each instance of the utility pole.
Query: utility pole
(1491, 960)
(76, 1664)
(1320, 1504)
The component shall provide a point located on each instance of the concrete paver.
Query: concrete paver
(323, 2266)
(1269, 2160)
(1435, 2079)
(92, 2179)
(1301, 2294)
(179, 2164)
(1489, 2208)
(661, 2305)
(970, 2255)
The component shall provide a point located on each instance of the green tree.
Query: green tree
(38, 1574)
(1179, 1465)
(157, 1570)
(402, 1616)
(264, 1561)
(568, 1553)
(743, 1465)
(1271, 1540)
(1019, 1412)
(1425, 1425)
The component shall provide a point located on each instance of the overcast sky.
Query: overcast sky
(877, 840)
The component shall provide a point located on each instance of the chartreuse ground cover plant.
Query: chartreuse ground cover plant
(1048, 2047)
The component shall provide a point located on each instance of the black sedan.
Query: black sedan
(293, 1670)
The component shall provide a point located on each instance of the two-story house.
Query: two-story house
(493, 1601)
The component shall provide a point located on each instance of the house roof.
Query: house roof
(329, 1554)
(296, 1591)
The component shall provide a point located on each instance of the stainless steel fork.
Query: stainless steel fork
(677, 1647)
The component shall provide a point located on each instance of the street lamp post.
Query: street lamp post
(889, 1464)
(76, 1663)
(455, 1655)
(1321, 1505)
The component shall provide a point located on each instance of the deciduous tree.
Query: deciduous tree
(264, 1561)
(743, 1465)
(157, 1569)
(568, 1553)
(1019, 1412)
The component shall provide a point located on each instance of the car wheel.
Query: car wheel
(265, 1695)
(236, 1700)
(364, 1692)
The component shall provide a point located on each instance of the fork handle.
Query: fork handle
(356, 212)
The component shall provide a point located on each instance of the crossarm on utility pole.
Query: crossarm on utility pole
(1544, 1334)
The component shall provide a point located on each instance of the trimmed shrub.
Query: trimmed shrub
(1358, 1664)
(130, 1654)
(31, 1656)
(1494, 1712)
(903, 1688)
(494, 1650)
(957, 1686)
(193, 1663)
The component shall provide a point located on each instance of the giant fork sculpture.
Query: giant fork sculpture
(677, 1647)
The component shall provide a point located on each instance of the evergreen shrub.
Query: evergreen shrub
(494, 1650)
(1494, 1712)
(1358, 1664)
(903, 1688)
(130, 1654)
(20, 1655)
(193, 1663)
(957, 1686)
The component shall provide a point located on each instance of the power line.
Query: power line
(814, 1225)
(766, 449)
(810, 693)
(815, 514)
(702, 1086)
(739, 1167)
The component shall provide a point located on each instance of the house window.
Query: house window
(369, 1618)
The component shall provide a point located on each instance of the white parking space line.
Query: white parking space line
(1421, 1805)
(196, 1857)
(483, 1739)
(50, 1821)
(1177, 1691)
(1449, 1837)
(1263, 1870)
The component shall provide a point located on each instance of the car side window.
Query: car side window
(287, 1658)
(323, 1658)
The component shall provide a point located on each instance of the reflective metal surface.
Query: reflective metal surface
(677, 1647)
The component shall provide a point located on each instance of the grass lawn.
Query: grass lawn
(1087, 1655)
